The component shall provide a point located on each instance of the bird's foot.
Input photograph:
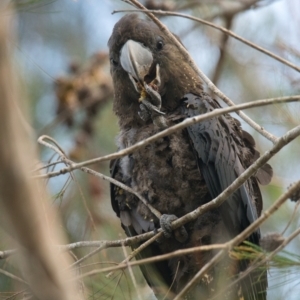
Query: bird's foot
(155, 97)
(149, 111)
(180, 233)
(144, 113)
(151, 107)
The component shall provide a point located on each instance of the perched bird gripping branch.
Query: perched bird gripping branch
(155, 87)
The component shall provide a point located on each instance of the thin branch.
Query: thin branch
(132, 275)
(85, 244)
(225, 246)
(291, 218)
(47, 166)
(155, 259)
(67, 161)
(221, 60)
(5, 254)
(130, 242)
(241, 237)
(233, 10)
(79, 261)
(284, 140)
(12, 276)
(264, 260)
(223, 29)
(138, 250)
(58, 149)
(187, 122)
(97, 174)
(124, 187)
(14, 295)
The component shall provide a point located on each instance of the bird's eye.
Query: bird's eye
(159, 45)
(113, 62)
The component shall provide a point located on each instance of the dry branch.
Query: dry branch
(187, 122)
(67, 161)
(243, 235)
(223, 29)
(263, 260)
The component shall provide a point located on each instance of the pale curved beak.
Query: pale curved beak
(136, 60)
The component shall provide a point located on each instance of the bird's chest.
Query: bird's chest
(164, 172)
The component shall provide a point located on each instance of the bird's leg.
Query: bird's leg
(180, 233)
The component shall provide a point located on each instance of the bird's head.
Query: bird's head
(138, 50)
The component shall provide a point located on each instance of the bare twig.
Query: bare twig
(124, 187)
(64, 159)
(223, 29)
(58, 149)
(291, 218)
(47, 166)
(156, 258)
(14, 295)
(5, 254)
(130, 241)
(12, 276)
(79, 261)
(231, 10)
(241, 237)
(227, 11)
(138, 250)
(187, 122)
(262, 261)
(132, 275)
(224, 42)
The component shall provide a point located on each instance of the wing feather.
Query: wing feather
(219, 161)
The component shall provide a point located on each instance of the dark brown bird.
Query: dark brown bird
(155, 87)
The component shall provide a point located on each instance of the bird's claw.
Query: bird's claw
(165, 224)
(144, 113)
(151, 100)
(154, 95)
(151, 108)
(180, 233)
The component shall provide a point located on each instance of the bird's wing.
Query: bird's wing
(158, 274)
(219, 159)
(219, 162)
